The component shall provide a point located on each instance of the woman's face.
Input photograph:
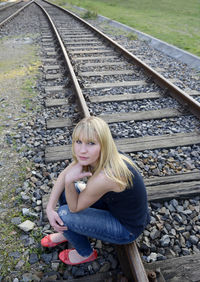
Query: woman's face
(87, 152)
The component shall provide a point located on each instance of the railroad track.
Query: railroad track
(11, 10)
(101, 74)
(8, 5)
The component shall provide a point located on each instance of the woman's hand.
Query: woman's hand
(75, 173)
(55, 221)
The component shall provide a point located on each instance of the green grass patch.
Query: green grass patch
(18, 75)
(10, 233)
(176, 22)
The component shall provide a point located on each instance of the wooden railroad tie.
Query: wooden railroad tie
(128, 145)
(122, 117)
(183, 269)
(90, 52)
(94, 58)
(115, 84)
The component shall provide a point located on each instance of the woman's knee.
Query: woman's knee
(64, 212)
(70, 218)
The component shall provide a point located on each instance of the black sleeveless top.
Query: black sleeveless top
(129, 206)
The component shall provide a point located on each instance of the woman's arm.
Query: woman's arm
(74, 173)
(96, 187)
(52, 215)
(56, 191)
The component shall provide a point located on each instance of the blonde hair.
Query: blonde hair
(110, 160)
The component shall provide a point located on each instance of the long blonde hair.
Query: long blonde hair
(110, 161)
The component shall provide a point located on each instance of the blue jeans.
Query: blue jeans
(92, 222)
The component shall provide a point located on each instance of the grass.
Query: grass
(10, 234)
(18, 76)
(12, 205)
(176, 22)
(13, 69)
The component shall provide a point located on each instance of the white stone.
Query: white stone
(26, 225)
(55, 266)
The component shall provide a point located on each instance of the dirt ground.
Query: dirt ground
(18, 70)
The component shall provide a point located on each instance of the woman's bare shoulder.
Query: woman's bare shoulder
(103, 181)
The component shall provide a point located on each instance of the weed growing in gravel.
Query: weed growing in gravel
(92, 15)
(132, 36)
(37, 235)
(28, 88)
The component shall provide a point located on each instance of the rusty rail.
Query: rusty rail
(137, 267)
(135, 262)
(79, 93)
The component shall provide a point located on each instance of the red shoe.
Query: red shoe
(47, 242)
(64, 257)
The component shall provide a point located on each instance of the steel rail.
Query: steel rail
(134, 259)
(15, 14)
(137, 267)
(79, 93)
(182, 97)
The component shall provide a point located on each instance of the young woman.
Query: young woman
(113, 205)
